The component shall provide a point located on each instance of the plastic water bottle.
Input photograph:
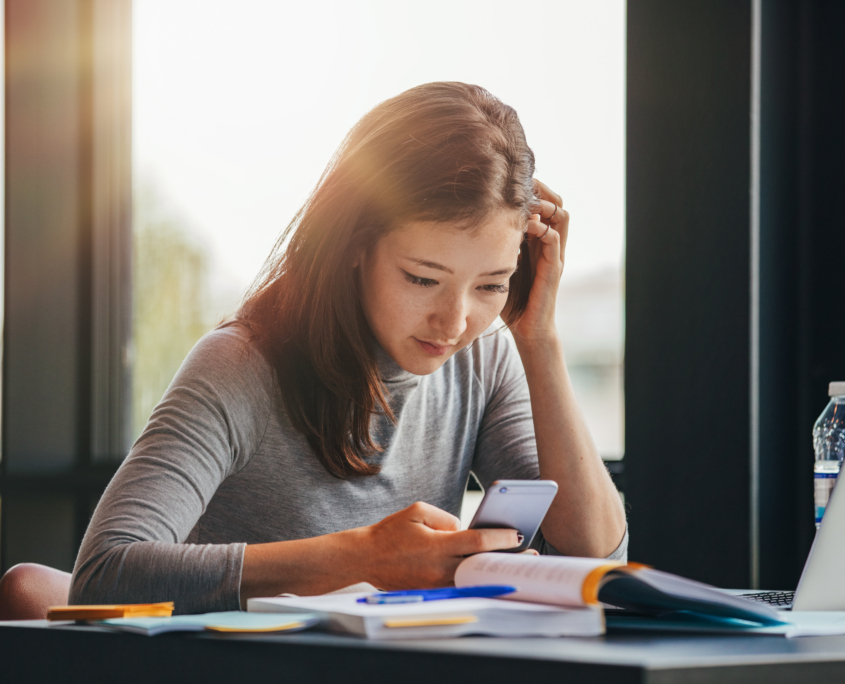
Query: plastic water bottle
(829, 443)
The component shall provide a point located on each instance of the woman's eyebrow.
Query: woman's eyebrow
(441, 267)
(431, 264)
(501, 271)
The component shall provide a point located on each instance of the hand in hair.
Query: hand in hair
(422, 546)
(546, 234)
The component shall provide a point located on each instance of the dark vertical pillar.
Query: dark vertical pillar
(110, 147)
(41, 374)
(67, 133)
(688, 287)
(734, 325)
(42, 226)
(785, 471)
(802, 252)
(821, 92)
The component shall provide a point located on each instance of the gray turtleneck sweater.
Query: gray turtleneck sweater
(219, 466)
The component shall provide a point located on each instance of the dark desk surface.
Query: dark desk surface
(32, 651)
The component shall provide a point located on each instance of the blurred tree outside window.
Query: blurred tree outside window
(171, 298)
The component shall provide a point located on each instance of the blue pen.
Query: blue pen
(417, 595)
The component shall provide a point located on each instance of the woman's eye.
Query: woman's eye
(422, 282)
(497, 289)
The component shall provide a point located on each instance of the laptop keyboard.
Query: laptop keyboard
(776, 599)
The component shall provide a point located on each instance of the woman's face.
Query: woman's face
(430, 289)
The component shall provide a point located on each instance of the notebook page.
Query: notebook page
(541, 579)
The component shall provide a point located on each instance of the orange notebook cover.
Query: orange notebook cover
(105, 612)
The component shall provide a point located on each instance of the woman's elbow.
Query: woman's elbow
(93, 581)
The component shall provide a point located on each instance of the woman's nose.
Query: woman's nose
(450, 319)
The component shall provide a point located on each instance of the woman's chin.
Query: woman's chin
(421, 364)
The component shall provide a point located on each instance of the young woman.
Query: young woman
(325, 436)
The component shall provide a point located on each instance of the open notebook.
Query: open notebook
(569, 581)
(556, 596)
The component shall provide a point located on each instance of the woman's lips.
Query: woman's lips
(433, 349)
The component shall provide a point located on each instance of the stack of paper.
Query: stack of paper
(449, 618)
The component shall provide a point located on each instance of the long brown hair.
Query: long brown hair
(440, 152)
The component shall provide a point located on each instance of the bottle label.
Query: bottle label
(823, 484)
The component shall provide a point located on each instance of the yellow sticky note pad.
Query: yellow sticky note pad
(431, 621)
(125, 610)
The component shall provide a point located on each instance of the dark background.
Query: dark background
(691, 387)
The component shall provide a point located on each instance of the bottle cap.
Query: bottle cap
(836, 389)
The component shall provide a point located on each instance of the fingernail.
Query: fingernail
(520, 538)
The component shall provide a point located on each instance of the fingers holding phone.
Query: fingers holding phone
(519, 505)
(422, 546)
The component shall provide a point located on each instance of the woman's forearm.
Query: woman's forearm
(303, 566)
(587, 517)
(419, 546)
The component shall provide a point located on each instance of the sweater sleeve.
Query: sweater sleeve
(206, 427)
(506, 447)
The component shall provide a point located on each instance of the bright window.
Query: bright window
(239, 105)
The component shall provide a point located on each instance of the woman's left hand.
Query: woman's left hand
(546, 234)
(586, 517)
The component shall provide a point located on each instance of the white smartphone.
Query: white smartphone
(517, 505)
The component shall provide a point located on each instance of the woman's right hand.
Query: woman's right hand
(421, 546)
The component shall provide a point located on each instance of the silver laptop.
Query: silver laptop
(821, 586)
